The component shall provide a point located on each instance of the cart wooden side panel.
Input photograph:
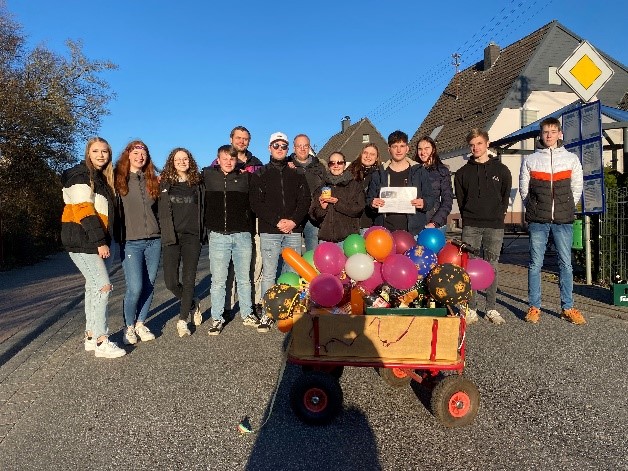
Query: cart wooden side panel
(387, 338)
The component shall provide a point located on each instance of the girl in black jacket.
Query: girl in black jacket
(88, 196)
(440, 177)
(180, 218)
(339, 209)
(362, 170)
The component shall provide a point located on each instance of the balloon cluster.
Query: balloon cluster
(330, 275)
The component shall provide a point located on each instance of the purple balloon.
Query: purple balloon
(326, 290)
(399, 271)
(329, 258)
(375, 279)
(404, 241)
(481, 273)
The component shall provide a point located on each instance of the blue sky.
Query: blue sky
(191, 70)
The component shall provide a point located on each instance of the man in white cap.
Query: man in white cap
(280, 198)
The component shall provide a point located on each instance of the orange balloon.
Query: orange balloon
(379, 244)
(299, 264)
(285, 325)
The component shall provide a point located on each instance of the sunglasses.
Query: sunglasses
(276, 146)
(335, 162)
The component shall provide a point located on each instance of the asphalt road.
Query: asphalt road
(552, 397)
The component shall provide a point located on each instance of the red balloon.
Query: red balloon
(403, 241)
(481, 273)
(450, 254)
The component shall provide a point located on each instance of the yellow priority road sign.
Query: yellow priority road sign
(585, 71)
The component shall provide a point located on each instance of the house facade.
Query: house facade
(508, 90)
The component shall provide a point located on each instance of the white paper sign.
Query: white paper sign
(397, 199)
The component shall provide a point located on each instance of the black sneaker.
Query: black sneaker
(265, 323)
(258, 311)
(251, 320)
(216, 327)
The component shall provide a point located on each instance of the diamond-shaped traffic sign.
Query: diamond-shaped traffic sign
(585, 71)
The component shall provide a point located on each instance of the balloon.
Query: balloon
(373, 228)
(399, 271)
(450, 254)
(328, 258)
(424, 259)
(292, 258)
(379, 244)
(431, 238)
(285, 325)
(359, 267)
(279, 301)
(354, 244)
(403, 241)
(289, 278)
(375, 279)
(481, 273)
(449, 284)
(309, 258)
(326, 290)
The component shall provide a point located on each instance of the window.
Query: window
(366, 138)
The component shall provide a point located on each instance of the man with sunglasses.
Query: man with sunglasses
(314, 172)
(281, 199)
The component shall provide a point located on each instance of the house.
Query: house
(352, 138)
(508, 90)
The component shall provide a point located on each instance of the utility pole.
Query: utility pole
(456, 63)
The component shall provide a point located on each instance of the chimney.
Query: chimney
(490, 55)
(345, 123)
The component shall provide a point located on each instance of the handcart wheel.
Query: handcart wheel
(395, 377)
(335, 371)
(455, 401)
(316, 398)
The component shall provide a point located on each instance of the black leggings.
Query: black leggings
(187, 250)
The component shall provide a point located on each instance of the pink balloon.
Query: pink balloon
(399, 271)
(326, 290)
(329, 258)
(403, 241)
(481, 273)
(372, 228)
(375, 279)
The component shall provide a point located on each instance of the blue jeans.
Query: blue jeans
(271, 246)
(140, 261)
(223, 248)
(563, 238)
(491, 241)
(310, 236)
(96, 273)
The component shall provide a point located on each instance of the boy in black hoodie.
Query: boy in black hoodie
(483, 190)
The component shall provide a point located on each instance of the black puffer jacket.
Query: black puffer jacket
(440, 177)
(341, 219)
(87, 214)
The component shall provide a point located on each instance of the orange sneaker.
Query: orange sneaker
(533, 315)
(574, 316)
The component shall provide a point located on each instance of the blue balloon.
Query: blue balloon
(424, 259)
(431, 238)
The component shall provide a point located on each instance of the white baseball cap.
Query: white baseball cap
(278, 136)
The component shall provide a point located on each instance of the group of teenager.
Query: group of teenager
(248, 212)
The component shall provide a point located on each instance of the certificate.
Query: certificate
(397, 199)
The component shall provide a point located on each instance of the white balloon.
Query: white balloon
(360, 267)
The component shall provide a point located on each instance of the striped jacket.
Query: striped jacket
(550, 184)
(86, 216)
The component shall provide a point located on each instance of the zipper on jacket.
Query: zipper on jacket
(224, 197)
(552, 181)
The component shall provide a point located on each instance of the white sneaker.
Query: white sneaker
(129, 337)
(90, 343)
(182, 328)
(143, 332)
(108, 349)
(495, 317)
(197, 317)
(472, 316)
